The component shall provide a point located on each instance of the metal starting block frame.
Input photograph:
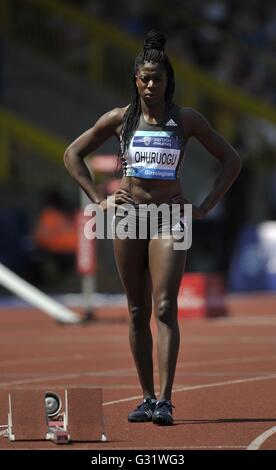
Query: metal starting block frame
(61, 415)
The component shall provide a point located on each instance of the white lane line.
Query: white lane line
(223, 374)
(192, 339)
(78, 356)
(231, 360)
(180, 374)
(58, 376)
(45, 360)
(55, 359)
(60, 340)
(238, 339)
(259, 440)
(41, 360)
(130, 371)
(136, 397)
(199, 387)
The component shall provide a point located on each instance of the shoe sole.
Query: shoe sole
(160, 421)
(131, 420)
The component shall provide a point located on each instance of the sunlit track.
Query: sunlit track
(180, 374)
(126, 372)
(190, 340)
(201, 386)
(223, 392)
(227, 361)
(59, 376)
(131, 371)
(40, 360)
(77, 357)
(49, 360)
(57, 340)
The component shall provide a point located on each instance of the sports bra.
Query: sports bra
(156, 150)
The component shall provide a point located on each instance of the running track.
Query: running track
(225, 386)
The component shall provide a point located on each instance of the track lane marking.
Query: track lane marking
(179, 365)
(199, 387)
(259, 440)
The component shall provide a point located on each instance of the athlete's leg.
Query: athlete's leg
(132, 262)
(166, 267)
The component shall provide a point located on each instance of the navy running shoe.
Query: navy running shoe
(143, 412)
(163, 413)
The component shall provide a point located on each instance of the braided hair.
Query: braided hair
(153, 51)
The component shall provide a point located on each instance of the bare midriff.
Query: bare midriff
(150, 191)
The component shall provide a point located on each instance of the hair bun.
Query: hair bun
(154, 40)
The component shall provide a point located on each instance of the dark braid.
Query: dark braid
(153, 51)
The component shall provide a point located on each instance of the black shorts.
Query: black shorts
(140, 221)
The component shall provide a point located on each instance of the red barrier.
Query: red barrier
(86, 250)
(201, 295)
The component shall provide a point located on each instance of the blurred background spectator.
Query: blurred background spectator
(55, 239)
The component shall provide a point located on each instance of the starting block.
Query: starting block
(61, 415)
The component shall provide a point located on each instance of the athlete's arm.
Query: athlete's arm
(197, 126)
(107, 126)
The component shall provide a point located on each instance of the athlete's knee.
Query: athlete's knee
(166, 311)
(139, 315)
